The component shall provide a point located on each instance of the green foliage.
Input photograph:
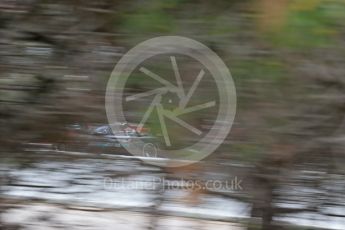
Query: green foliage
(264, 69)
(151, 17)
(150, 21)
(310, 26)
(222, 25)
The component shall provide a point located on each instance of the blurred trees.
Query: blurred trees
(286, 56)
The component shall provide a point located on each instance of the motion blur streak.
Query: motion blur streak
(286, 145)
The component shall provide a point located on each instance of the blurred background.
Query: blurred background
(62, 167)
